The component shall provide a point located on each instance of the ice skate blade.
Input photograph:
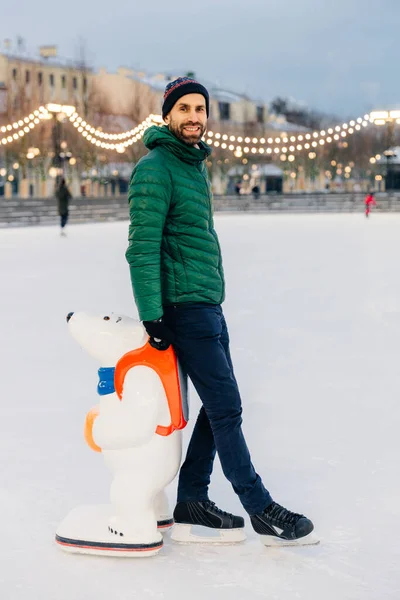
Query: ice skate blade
(275, 542)
(183, 533)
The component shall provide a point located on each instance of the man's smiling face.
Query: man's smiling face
(187, 120)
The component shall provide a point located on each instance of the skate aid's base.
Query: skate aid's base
(196, 534)
(86, 530)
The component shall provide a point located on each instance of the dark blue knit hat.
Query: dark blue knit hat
(180, 87)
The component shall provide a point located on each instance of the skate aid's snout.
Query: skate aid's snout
(69, 315)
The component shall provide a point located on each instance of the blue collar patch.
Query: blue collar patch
(106, 381)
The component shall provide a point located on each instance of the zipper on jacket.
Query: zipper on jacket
(211, 230)
(199, 166)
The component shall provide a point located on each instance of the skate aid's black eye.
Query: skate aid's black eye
(106, 318)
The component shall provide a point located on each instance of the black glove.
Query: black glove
(160, 336)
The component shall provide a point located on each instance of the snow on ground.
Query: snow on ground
(313, 307)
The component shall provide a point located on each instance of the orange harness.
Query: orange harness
(165, 364)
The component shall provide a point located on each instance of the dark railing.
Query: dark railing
(38, 211)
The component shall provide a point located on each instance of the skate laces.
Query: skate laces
(215, 508)
(282, 515)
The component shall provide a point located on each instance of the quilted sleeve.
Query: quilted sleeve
(149, 200)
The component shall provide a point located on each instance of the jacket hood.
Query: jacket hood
(162, 137)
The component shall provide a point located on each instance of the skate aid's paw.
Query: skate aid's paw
(165, 524)
(161, 508)
(134, 529)
(115, 532)
(83, 531)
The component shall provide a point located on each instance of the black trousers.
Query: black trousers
(202, 346)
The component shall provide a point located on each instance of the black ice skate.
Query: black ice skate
(277, 526)
(204, 522)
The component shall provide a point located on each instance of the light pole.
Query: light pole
(60, 112)
(388, 154)
(3, 173)
(389, 118)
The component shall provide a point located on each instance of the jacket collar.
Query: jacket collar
(162, 137)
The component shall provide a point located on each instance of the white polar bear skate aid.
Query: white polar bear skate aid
(136, 426)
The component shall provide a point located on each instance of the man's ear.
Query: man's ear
(167, 119)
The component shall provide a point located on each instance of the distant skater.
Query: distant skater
(369, 201)
(63, 196)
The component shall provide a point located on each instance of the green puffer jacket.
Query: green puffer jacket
(174, 253)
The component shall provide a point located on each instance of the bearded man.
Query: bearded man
(178, 283)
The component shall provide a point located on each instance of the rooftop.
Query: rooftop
(57, 61)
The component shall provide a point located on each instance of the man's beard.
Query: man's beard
(185, 136)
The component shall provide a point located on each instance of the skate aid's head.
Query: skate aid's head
(106, 337)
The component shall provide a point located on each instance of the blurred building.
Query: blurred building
(124, 92)
(267, 177)
(27, 82)
(112, 101)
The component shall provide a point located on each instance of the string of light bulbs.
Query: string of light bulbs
(18, 129)
(285, 139)
(97, 136)
(309, 141)
(239, 145)
(15, 131)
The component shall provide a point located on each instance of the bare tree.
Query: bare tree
(82, 65)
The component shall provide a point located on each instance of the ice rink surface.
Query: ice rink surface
(313, 307)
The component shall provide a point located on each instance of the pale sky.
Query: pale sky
(337, 56)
